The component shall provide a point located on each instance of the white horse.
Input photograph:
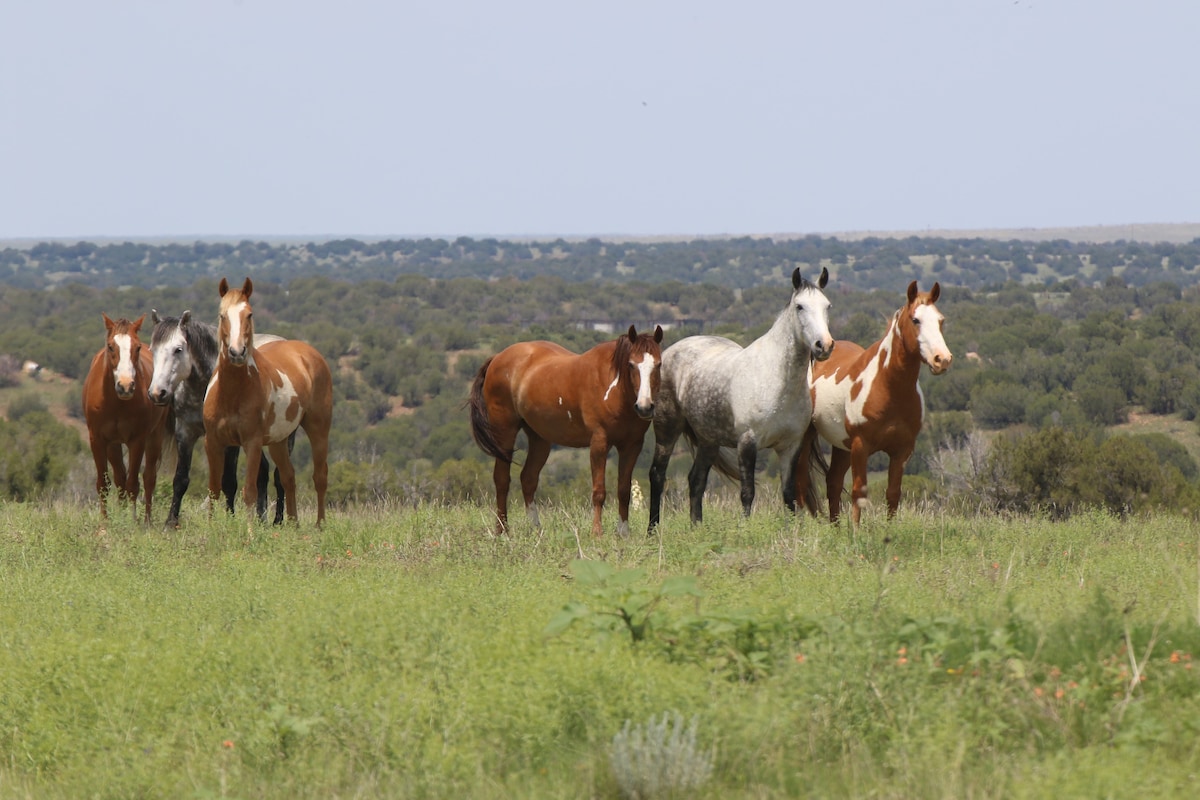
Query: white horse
(718, 394)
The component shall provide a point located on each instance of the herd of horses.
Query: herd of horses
(238, 389)
(782, 392)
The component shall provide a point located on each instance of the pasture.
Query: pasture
(403, 652)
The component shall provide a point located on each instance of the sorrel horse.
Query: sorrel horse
(599, 400)
(867, 401)
(718, 394)
(185, 355)
(259, 396)
(118, 412)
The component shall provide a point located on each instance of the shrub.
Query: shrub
(659, 757)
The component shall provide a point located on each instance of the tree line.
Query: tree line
(1071, 359)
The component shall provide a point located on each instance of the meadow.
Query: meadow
(408, 652)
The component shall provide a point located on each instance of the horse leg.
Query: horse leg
(896, 463)
(137, 452)
(664, 446)
(535, 459)
(183, 477)
(835, 481)
(747, 451)
(215, 454)
(263, 481)
(504, 430)
(318, 442)
(229, 477)
(599, 458)
(698, 480)
(287, 475)
(279, 495)
(116, 460)
(100, 457)
(858, 479)
(254, 452)
(627, 456)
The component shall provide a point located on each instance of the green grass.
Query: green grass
(402, 653)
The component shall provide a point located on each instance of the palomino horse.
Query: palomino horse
(599, 400)
(185, 355)
(867, 401)
(718, 394)
(118, 412)
(257, 398)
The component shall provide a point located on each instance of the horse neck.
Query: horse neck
(903, 363)
(202, 348)
(785, 337)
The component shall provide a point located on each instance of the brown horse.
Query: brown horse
(599, 400)
(119, 412)
(257, 398)
(867, 401)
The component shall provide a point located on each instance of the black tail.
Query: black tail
(481, 426)
(816, 462)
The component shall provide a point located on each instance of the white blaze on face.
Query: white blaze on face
(813, 306)
(645, 369)
(930, 338)
(237, 337)
(281, 401)
(123, 374)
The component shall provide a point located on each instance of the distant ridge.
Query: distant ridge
(1172, 232)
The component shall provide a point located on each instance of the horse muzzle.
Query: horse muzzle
(644, 411)
(940, 363)
(238, 357)
(160, 398)
(124, 392)
(821, 351)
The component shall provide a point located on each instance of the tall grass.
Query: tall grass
(402, 652)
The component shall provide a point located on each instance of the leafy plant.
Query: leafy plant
(621, 601)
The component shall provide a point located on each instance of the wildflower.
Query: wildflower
(227, 744)
(903, 655)
(1038, 691)
(1058, 694)
(349, 554)
(1175, 657)
(799, 658)
(995, 565)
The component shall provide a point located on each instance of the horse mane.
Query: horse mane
(202, 337)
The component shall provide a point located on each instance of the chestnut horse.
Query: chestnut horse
(867, 401)
(119, 412)
(257, 398)
(599, 400)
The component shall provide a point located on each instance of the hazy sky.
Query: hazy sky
(393, 117)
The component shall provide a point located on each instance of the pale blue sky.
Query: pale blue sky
(456, 117)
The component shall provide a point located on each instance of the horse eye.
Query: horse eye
(916, 320)
(179, 349)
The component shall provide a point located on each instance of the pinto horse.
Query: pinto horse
(718, 395)
(118, 412)
(599, 400)
(867, 401)
(259, 396)
(185, 355)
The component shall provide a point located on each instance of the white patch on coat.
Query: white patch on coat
(612, 386)
(281, 401)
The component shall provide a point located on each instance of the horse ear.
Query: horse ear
(824, 279)
(935, 292)
(184, 319)
(223, 287)
(658, 334)
(796, 279)
(633, 334)
(912, 292)
(154, 315)
(137, 324)
(247, 288)
(108, 323)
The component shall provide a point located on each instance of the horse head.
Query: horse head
(924, 322)
(172, 356)
(812, 313)
(235, 328)
(123, 350)
(641, 354)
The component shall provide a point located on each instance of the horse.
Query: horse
(259, 396)
(867, 401)
(601, 399)
(718, 394)
(185, 355)
(119, 412)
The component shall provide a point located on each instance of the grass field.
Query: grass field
(409, 653)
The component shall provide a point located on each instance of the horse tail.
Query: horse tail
(168, 442)
(816, 461)
(481, 425)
